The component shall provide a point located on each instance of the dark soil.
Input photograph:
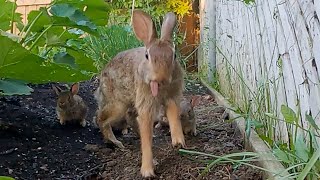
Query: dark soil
(33, 145)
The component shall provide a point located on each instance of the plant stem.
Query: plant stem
(29, 28)
(12, 15)
(309, 165)
(42, 33)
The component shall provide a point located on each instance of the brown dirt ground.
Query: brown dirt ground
(33, 145)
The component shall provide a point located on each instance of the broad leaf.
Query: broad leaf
(82, 61)
(64, 58)
(6, 14)
(281, 155)
(73, 14)
(311, 121)
(18, 63)
(288, 114)
(6, 178)
(43, 20)
(96, 10)
(301, 148)
(12, 87)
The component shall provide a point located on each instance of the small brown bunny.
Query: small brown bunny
(145, 77)
(187, 116)
(70, 106)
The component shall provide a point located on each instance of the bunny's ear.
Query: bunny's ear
(143, 27)
(168, 25)
(74, 88)
(56, 89)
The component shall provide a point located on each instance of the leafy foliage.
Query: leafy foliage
(111, 41)
(42, 51)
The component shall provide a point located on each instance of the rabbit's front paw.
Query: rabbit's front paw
(62, 122)
(178, 140)
(124, 131)
(83, 123)
(147, 171)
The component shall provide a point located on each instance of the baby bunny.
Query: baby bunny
(187, 116)
(70, 106)
(146, 78)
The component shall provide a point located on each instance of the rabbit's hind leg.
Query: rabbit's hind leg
(106, 117)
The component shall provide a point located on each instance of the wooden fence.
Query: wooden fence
(265, 55)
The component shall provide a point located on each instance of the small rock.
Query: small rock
(39, 148)
(105, 174)
(219, 110)
(111, 163)
(91, 147)
(44, 167)
(212, 149)
(197, 84)
(10, 171)
(207, 97)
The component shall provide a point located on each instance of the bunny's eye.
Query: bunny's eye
(147, 56)
(175, 55)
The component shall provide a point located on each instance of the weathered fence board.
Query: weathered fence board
(268, 55)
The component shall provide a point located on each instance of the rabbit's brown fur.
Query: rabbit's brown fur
(145, 78)
(70, 106)
(187, 116)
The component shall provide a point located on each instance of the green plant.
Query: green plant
(6, 178)
(300, 154)
(111, 40)
(27, 57)
(236, 159)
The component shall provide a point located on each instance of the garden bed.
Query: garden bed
(34, 145)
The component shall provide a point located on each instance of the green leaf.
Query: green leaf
(267, 139)
(64, 58)
(281, 155)
(314, 159)
(18, 63)
(96, 10)
(82, 61)
(256, 124)
(301, 149)
(12, 87)
(270, 115)
(73, 14)
(6, 14)
(43, 20)
(249, 1)
(6, 178)
(248, 128)
(311, 121)
(288, 114)
(13, 37)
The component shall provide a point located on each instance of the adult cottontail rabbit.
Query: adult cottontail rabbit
(70, 106)
(145, 77)
(187, 116)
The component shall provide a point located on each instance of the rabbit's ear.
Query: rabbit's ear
(56, 89)
(169, 22)
(74, 88)
(143, 27)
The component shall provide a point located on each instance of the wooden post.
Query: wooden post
(207, 50)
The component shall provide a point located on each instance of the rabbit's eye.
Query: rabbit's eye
(147, 56)
(175, 55)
